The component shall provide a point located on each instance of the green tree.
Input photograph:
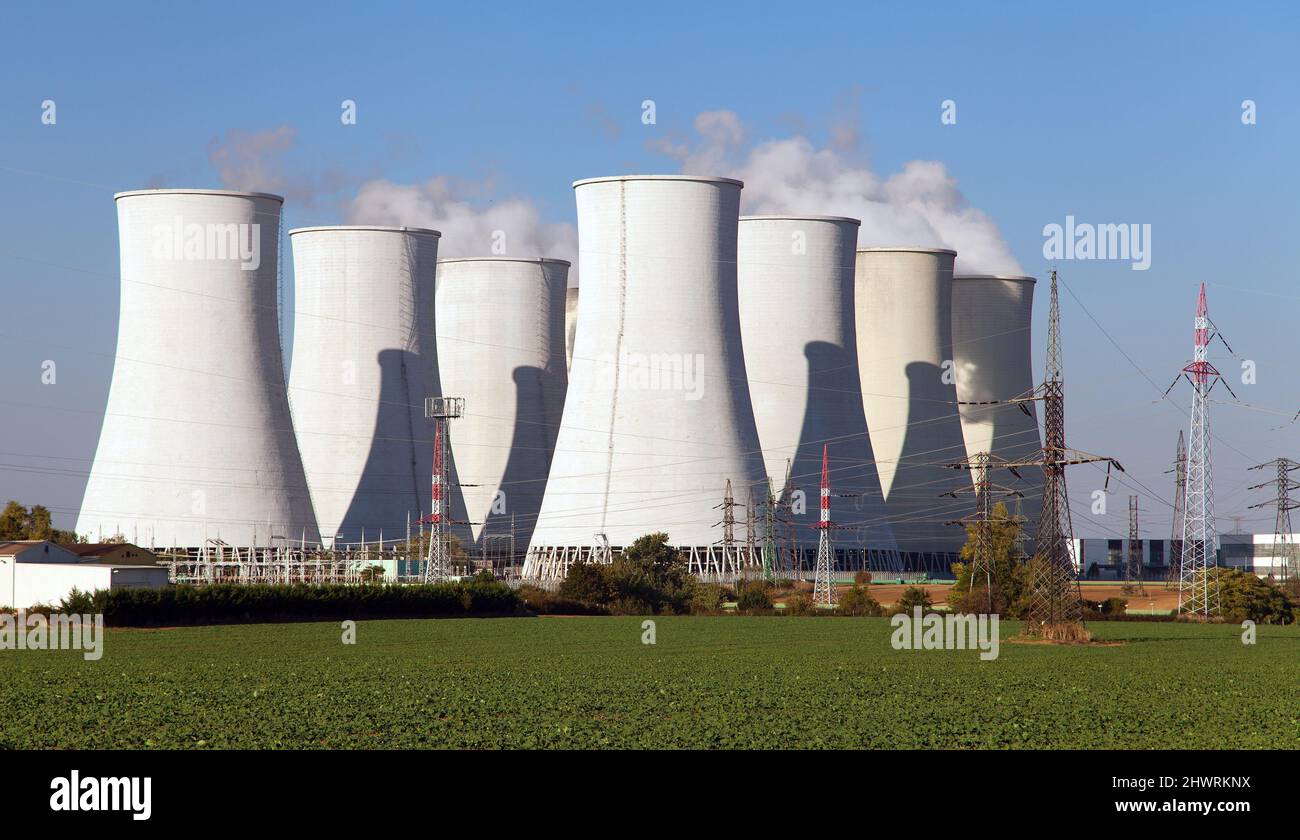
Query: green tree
(585, 582)
(857, 600)
(19, 523)
(912, 597)
(13, 522)
(753, 595)
(1009, 570)
(652, 572)
(1244, 595)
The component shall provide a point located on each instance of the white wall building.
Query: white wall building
(38, 572)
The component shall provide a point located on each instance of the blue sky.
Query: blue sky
(1111, 112)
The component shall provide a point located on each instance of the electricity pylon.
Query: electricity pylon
(1283, 544)
(1133, 562)
(1174, 573)
(441, 410)
(1054, 594)
(980, 464)
(1198, 589)
(823, 586)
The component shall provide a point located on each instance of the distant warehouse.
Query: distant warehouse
(40, 572)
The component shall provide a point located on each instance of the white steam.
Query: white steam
(921, 205)
(510, 228)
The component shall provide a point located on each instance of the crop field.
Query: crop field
(755, 682)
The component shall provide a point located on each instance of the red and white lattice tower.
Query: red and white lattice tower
(823, 587)
(1198, 590)
(437, 567)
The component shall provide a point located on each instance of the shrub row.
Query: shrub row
(235, 603)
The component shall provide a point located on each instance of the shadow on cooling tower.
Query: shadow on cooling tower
(917, 508)
(539, 405)
(397, 476)
(834, 416)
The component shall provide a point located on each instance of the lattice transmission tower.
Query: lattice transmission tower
(1054, 584)
(1175, 568)
(1133, 560)
(983, 558)
(1054, 594)
(1284, 546)
(441, 410)
(1198, 589)
(823, 585)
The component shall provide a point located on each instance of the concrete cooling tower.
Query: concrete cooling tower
(500, 327)
(658, 415)
(570, 324)
(991, 322)
(363, 362)
(197, 442)
(801, 353)
(904, 320)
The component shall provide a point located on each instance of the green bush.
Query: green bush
(1243, 595)
(912, 597)
(1114, 606)
(78, 603)
(586, 583)
(707, 599)
(541, 602)
(753, 596)
(800, 603)
(236, 603)
(862, 578)
(648, 578)
(857, 600)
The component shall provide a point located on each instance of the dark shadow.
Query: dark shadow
(397, 476)
(539, 407)
(917, 508)
(834, 416)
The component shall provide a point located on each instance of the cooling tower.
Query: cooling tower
(501, 347)
(795, 279)
(657, 416)
(904, 320)
(197, 441)
(363, 361)
(991, 321)
(570, 324)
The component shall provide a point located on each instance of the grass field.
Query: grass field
(708, 682)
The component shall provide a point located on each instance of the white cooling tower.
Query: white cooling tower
(363, 362)
(800, 341)
(991, 322)
(570, 324)
(904, 320)
(501, 347)
(197, 441)
(658, 415)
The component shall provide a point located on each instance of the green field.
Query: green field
(708, 682)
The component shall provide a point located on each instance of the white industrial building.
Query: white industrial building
(197, 441)
(501, 347)
(992, 317)
(795, 281)
(1104, 558)
(39, 572)
(364, 360)
(904, 322)
(658, 415)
